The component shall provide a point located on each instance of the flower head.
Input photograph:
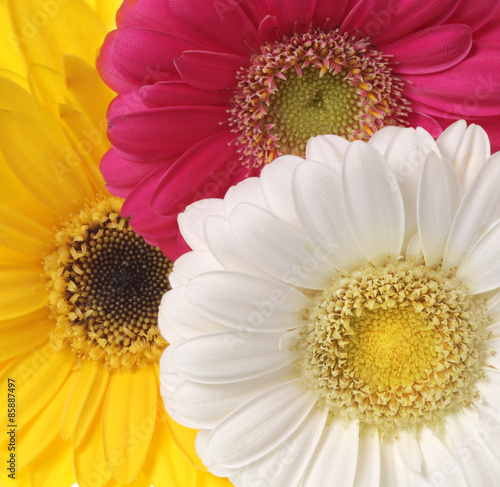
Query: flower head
(211, 92)
(80, 289)
(337, 320)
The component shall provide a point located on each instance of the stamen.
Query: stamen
(105, 287)
(312, 84)
(394, 345)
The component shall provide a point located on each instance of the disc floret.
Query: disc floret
(394, 345)
(311, 84)
(105, 286)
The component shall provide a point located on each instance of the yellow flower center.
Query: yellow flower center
(106, 284)
(394, 345)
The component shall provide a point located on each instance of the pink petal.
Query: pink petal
(125, 103)
(270, 29)
(159, 132)
(489, 33)
(209, 70)
(148, 55)
(205, 171)
(292, 16)
(470, 88)
(111, 76)
(178, 93)
(418, 119)
(220, 25)
(474, 13)
(150, 14)
(326, 16)
(143, 219)
(431, 50)
(385, 21)
(122, 175)
(173, 247)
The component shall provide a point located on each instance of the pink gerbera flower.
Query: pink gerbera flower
(209, 92)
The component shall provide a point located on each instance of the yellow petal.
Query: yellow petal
(43, 385)
(44, 163)
(107, 12)
(129, 421)
(206, 479)
(140, 481)
(89, 462)
(15, 98)
(47, 86)
(21, 479)
(10, 57)
(47, 29)
(23, 234)
(35, 437)
(53, 467)
(165, 463)
(184, 438)
(23, 290)
(93, 401)
(20, 335)
(77, 397)
(91, 96)
(88, 142)
(18, 78)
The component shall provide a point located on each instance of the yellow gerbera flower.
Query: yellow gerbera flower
(79, 346)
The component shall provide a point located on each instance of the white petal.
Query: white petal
(439, 194)
(382, 138)
(179, 319)
(229, 356)
(406, 154)
(192, 218)
(440, 467)
(334, 462)
(318, 200)
(414, 248)
(246, 191)
(285, 465)
(492, 355)
(409, 451)
(393, 472)
(373, 202)
(480, 269)
(489, 388)
(328, 149)
(276, 185)
(201, 445)
(247, 302)
(470, 149)
(205, 405)
(494, 305)
(478, 468)
(368, 468)
(261, 424)
(449, 141)
(192, 264)
(479, 209)
(278, 249)
(486, 427)
(226, 250)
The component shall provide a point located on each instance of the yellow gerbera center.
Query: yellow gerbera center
(105, 287)
(394, 345)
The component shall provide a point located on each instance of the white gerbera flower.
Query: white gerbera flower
(338, 320)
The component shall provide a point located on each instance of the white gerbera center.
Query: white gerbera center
(395, 344)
